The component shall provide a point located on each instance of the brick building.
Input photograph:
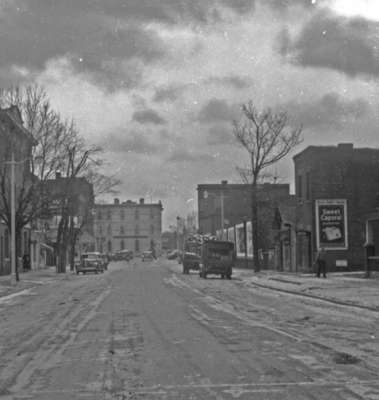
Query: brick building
(16, 140)
(234, 202)
(336, 188)
(75, 197)
(128, 225)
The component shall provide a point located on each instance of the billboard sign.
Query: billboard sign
(240, 240)
(331, 224)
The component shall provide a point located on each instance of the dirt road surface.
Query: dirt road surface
(143, 330)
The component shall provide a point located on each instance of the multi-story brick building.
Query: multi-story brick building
(17, 141)
(128, 225)
(336, 188)
(233, 201)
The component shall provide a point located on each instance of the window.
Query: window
(99, 215)
(109, 230)
(152, 229)
(136, 245)
(109, 246)
(151, 213)
(299, 186)
(122, 230)
(109, 214)
(136, 214)
(136, 230)
(122, 214)
(100, 230)
(122, 245)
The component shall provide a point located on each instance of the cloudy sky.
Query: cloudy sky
(157, 83)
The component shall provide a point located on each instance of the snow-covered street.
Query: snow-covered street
(146, 331)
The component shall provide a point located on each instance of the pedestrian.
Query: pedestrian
(320, 262)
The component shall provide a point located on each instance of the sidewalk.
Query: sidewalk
(30, 279)
(340, 288)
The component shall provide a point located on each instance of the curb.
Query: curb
(314, 296)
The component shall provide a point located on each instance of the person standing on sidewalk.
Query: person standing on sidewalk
(321, 262)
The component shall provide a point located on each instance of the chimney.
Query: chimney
(224, 183)
(142, 200)
(345, 146)
(116, 201)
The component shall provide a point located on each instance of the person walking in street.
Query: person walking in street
(321, 262)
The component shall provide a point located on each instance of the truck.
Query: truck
(191, 257)
(217, 257)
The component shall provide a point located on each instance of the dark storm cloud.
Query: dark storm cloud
(220, 135)
(134, 142)
(328, 41)
(329, 111)
(216, 110)
(148, 117)
(170, 93)
(176, 11)
(34, 32)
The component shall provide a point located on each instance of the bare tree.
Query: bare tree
(267, 137)
(58, 147)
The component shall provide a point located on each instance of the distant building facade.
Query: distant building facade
(77, 197)
(233, 202)
(130, 225)
(336, 188)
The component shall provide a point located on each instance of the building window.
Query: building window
(122, 214)
(100, 230)
(122, 245)
(109, 246)
(151, 213)
(109, 214)
(136, 214)
(308, 186)
(109, 230)
(99, 215)
(122, 230)
(136, 245)
(299, 186)
(136, 230)
(152, 229)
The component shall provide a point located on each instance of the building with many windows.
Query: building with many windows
(130, 225)
(337, 187)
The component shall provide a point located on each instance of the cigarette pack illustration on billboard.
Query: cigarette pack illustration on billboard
(331, 224)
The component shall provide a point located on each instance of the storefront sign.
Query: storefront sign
(331, 224)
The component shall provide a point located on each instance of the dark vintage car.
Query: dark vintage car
(147, 255)
(191, 261)
(217, 257)
(90, 262)
(124, 255)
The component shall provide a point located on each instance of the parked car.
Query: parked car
(90, 262)
(173, 254)
(147, 255)
(217, 257)
(190, 261)
(125, 255)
